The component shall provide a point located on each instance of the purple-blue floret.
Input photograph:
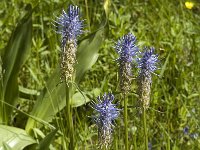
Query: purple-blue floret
(106, 111)
(148, 62)
(126, 48)
(186, 130)
(70, 25)
(105, 114)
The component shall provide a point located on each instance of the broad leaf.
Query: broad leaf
(14, 138)
(79, 99)
(6, 146)
(88, 53)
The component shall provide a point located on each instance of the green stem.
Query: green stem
(3, 119)
(135, 142)
(168, 142)
(135, 131)
(126, 122)
(116, 143)
(145, 128)
(70, 131)
(87, 14)
(168, 129)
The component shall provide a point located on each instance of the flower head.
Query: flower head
(189, 5)
(148, 62)
(106, 113)
(186, 130)
(126, 49)
(70, 25)
(147, 65)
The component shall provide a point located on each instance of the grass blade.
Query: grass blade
(44, 144)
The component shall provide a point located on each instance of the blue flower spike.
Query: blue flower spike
(70, 26)
(147, 65)
(105, 114)
(148, 62)
(126, 49)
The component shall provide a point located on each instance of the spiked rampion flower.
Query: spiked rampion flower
(147, 65)
(126, 49)
(70, 27)
(105, 114)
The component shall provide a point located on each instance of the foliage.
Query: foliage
(32, 97)
(14, 138)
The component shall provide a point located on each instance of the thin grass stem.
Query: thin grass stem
(168, 142)
(135, 142)
(126, 121)
(168, 129)
(70, 131)
(145, 128)
(87, 14)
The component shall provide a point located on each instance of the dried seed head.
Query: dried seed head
(144, 90)
(68, 59)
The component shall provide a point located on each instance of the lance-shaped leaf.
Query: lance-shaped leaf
(44, 144)
(16, 53)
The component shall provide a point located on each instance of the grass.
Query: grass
(169, 26)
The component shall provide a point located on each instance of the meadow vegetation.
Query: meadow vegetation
(33, 100)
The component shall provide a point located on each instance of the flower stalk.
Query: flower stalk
(70, 27)
(126, 49)
(147, 66)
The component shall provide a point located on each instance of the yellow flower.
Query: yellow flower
(189, 5)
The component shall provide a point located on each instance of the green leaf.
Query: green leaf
(6, 146)
(52, 98)
(193, 95)
(44, 144)
(1, 93)
(164, 66)
(14, 138)
(79, 99)
(16, 53)
(88, 53)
